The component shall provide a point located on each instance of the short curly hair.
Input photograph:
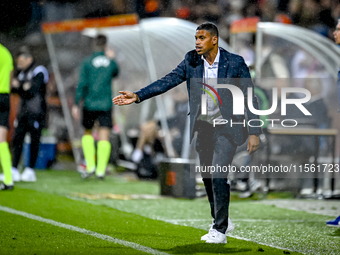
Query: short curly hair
(210, 27)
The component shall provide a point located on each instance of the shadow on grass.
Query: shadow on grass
(204, 248)
(336, 233)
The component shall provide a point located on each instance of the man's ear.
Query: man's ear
(215, 40)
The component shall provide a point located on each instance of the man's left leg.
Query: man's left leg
(35, 128)
(103, 151)
(104, 145)
(35, 142)
(88, 143)
(224, 151)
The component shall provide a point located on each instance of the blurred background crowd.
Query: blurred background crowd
(23, 18)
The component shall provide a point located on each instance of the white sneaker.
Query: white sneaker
(230, 228)
(28, 175)
(216, 237)
(206, 236)
(15, 175)
(137, 156)
(85, 174)
(254, 185)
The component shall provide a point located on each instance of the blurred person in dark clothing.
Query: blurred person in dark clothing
(30, 84)
(326, 17)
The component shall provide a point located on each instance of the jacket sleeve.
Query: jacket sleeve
(36, 83)
(169, 81)
(246, 82)
(82, 84)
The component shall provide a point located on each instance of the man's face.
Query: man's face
(204, 42)
(336, 34)
(23, 62)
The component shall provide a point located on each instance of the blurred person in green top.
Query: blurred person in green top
(94, 90)
(6, 74)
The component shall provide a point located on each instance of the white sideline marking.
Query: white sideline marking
(84, 231)
(270, 245)
(173, 221)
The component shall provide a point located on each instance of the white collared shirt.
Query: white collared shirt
(210, 77)
(211, 71)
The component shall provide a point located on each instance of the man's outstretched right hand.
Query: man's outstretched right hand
(125, 98)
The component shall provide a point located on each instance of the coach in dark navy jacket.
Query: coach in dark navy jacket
(215, 145)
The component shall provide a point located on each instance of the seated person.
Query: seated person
(150, 145)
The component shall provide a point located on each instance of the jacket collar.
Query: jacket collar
(223, 64)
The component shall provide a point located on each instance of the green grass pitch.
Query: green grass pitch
(166, 225)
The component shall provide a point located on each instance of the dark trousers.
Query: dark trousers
(215, 149)
(30, 124)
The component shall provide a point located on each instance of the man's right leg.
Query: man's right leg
(89, 150)
(205, 151)
(18, 140)
(88, 143)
